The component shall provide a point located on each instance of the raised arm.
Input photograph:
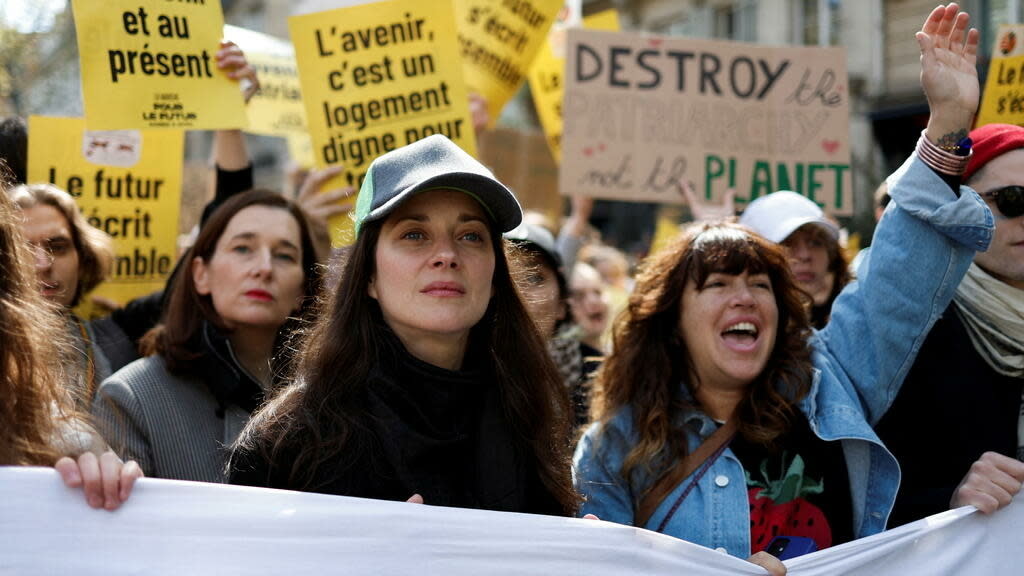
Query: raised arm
(926, 239)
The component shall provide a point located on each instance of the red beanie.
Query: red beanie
(992, 140)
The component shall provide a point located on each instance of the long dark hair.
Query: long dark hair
(179, 337)
(650, 359)
(318, 420)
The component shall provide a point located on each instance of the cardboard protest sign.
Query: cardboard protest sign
(518, 159)
(642, 112)
(150, 64)
(276, 110)
(498, 40)
(547, 78)
(126, 183)
(1003, 99)
(377, 77)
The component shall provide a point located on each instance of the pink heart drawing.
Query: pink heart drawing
(656, 42)
(830, 146)
(601, 147)
(588, 151)
(840, 88)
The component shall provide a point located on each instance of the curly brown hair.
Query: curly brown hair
(651, 359)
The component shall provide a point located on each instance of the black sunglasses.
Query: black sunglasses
(1009, 200)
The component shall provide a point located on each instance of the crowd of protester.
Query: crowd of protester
(458, 351)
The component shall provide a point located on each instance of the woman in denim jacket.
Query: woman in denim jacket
(716, 333)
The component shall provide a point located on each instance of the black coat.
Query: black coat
(952, 408)
(423, 430)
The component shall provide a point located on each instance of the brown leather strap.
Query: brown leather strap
(682, 470)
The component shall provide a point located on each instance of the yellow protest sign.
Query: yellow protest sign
(375, 78)
(276, 110)
(127, 183)
(150, 64)
(546, 79)
(498, 40)
(1003, 100)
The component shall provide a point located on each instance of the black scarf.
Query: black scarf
(444, 435)
(229, 383)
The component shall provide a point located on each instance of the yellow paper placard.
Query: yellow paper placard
(300, 148)
(375, 78)
(276, 110)
(136, 201)
(1003, 100)
(498, 40)
(150, 64)
(546, 79)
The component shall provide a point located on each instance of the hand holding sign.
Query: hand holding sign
(231, 59)
(321, 206)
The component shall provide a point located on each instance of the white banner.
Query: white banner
(171, 527)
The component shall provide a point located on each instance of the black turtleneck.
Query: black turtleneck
(423, 430)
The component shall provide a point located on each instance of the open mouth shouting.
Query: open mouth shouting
(741, 336)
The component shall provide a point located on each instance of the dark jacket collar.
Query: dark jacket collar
(227, 380)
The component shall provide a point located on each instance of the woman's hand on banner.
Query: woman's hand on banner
(106, 481)
(773, 565)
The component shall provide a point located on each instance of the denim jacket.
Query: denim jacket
(922, 247)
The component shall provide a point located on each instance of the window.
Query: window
(818, 22)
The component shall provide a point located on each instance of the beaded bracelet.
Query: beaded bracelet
(940, 160)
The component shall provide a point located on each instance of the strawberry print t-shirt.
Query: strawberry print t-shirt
(799, 489)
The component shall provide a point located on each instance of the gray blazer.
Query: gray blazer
(169, 425)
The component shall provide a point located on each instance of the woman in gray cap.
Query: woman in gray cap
(424, 374)
(812, 246)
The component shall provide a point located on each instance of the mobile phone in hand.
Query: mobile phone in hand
(786, 547)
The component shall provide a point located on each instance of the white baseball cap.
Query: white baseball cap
(778, 215)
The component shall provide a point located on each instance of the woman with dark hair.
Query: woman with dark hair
(38, 422)
(423, 373)
(722, 418)
(221, 348)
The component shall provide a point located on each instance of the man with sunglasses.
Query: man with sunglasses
(960, 411)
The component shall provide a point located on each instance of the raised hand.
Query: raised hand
(231, 59)
(703, 211)
(948, 73)
(320, 206)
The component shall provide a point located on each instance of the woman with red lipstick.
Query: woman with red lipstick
(221, 347)
(722, 418)
(423, 373)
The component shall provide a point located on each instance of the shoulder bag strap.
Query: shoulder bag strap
(652, 498)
